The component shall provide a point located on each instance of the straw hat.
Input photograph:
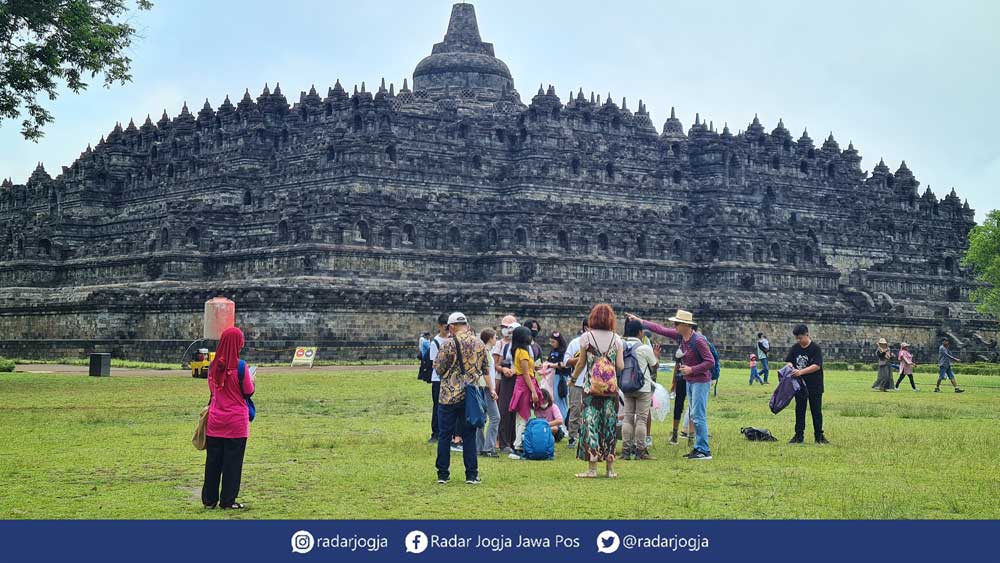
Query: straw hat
(682, 316)
(883, 342)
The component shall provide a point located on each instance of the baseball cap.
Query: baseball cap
(457, 319)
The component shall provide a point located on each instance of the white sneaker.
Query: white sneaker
(514, 456)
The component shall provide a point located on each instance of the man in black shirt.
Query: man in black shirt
(806, 360)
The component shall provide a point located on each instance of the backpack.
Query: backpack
(632, 378)
(537, 440)
(426, 371)
(240, 374)
(758, 434)
(717, 368)
(603, 376)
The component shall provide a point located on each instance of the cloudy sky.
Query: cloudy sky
(905, 80)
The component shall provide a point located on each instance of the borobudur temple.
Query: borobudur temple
(351, 220)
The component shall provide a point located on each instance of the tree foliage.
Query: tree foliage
(44, 43)
(984, 258)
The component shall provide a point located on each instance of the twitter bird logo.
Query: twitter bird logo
(608, 542)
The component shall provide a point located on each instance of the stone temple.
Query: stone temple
(350, 220)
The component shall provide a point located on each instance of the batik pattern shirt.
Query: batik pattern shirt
(474, 358)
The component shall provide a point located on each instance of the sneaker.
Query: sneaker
(432, 439)
(626, 454)
(684, 434)
(916, 389)
(506, 451)
(797, 439)
(673, 439)
(959, 390)
(643, 455)
(699, 456)
(937, 389)
(649, 442)
(457, 449)
(475, 481)
(571, 443)
(442, 481)
(514, 456)
(821, 440)
(489, 454)
(689, 454)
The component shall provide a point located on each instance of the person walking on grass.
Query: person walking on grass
(438, 342)
(754, 376)
(883, 355)
(806, 360)
(601, 352)
(230, 383)
(486, 439)
(637, 403)
(905, 365)
(944, 366)
(461, 362)
(696, 367)
(763, 349)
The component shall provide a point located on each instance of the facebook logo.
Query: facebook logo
(416, 542)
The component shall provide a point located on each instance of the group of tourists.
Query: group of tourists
(575, 388)
(884, 357)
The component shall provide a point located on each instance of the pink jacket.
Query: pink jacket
(905, 362)
(228, 416)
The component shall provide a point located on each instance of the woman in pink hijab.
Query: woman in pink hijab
(228, 422)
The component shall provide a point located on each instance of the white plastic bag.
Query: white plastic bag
(661, 402)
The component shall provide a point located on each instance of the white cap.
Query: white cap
(457, 319)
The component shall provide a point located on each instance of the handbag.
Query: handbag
(475, 404)
(199, 441)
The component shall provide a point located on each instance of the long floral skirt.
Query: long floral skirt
(598, 437)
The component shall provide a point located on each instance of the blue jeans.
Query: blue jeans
(763, 369)
(487, 441)
(451, 420)
(754, 375)
(698, 397)
(945, 371)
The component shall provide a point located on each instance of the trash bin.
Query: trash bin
(100, 365)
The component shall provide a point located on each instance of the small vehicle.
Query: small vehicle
(199, 363)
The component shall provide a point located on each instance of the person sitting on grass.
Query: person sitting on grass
(944, 366)
(548, 411)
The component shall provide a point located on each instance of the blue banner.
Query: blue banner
(547, 540)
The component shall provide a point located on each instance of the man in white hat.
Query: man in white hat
(696, 367)
(461, 361)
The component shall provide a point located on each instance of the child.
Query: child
(753, 370)
(548, 411)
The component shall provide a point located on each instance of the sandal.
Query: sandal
(234, 506)
(587, 475)
(612, 475)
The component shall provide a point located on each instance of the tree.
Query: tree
(984, 258)
(43, 42)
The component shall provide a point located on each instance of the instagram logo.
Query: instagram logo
(302, 542)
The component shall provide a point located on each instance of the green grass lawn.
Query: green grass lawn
(352, 445)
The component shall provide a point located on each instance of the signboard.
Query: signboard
(304, 356)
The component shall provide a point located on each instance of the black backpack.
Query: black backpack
(426, 371)
(758, 434)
